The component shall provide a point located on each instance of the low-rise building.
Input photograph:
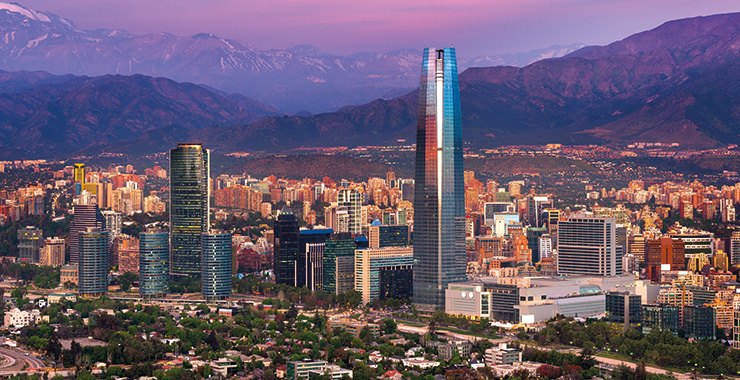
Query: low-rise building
(503, 354)
(332, 371)
(21, 318)
(69, 273)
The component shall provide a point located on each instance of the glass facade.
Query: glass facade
(93, 262)
(215, 274)
(339, 265)
(310, 259)
(285, 248)
(29, 244)
(189, 206)
(154, 263)
(439, 204)
(85, 216)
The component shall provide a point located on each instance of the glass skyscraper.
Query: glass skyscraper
(439, 203)
(154, 263)
(215, 274)
(339, 265)
(93, 262)
(285, 248)
(189, 206)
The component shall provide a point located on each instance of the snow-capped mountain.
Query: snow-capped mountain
(299, 79)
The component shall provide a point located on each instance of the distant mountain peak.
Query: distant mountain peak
(23, 11)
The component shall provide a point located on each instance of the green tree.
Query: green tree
(126, 280)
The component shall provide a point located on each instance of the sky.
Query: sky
(474, 27)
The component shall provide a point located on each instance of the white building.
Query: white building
(502, 355)
(21, 318)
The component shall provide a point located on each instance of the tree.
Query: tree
(126, 280)
(212, 341)
(389, 326)
(549, 371)
(53, 347)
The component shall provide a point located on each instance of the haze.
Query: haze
(476, 27)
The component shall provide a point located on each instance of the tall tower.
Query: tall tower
(439, 203)
(587, 245)
(85, 216)
(94, 262)
(216, 266)
(154, 258)
(189, 206)
(285, 248)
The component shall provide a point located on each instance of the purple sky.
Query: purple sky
(476, 27)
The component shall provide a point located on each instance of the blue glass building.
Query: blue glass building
(93, 262)
(439, 203)
(285, 247)
(189, 206)
(216, 266)
(154, 263)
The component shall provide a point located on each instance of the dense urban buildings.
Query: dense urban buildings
(439, 209)
(189, 206)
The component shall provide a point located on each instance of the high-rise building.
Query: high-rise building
(533, 241)
(113, 222)
(52, 253)
(189, 206)
(381, 236)
(85, 216)
(94, 262)
(735, 248)
(310, 258)
(373, 265)
(661, 252)
(29, 244)
(216, 266)
(545, 246)
(285, 247)
(587, 246)
(154, 267)
(339, 265)
(79, 177)
(351, 199)
(439, 203)
(637, 247)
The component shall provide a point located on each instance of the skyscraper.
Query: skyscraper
(84, 216)
(189, 206)
(339, 265)
(215, 274)
(587, 246)
(439, 204)
(351, 199)
(735, 248)
(310, 258)
(154, 267)
(94, 262)
(285, 247)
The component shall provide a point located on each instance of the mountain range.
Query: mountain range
(293, 80)
(679, 82)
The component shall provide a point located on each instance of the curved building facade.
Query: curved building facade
(215, 274)
(154, 267)
(189, 206)
(93, 262)
(439, 203)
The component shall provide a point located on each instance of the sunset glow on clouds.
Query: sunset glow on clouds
(348, 26)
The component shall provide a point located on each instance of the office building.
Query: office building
(664, 253)
(381, 236)
(299, 370)
(545, 246)
(93, 262)
(439, 204)
(637, 247)
(735, 248)
(84, 216)
(502, 354)
(695, 241)
(624, 308)
(535, 210)
(52, 253)
(490, 209)
(285, 247)
(29, 244)
(216, 265)
(660, 317)
(533, 241)
(154, 263)
(339, 265)
(373, 264)
(189, 206)
(700, 322)
(351, 200)
(310, 259)
(587, 246)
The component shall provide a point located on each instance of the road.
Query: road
(14, 361)
(421, 330)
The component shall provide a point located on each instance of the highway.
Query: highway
(14, 361)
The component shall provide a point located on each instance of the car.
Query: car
(25, 353)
